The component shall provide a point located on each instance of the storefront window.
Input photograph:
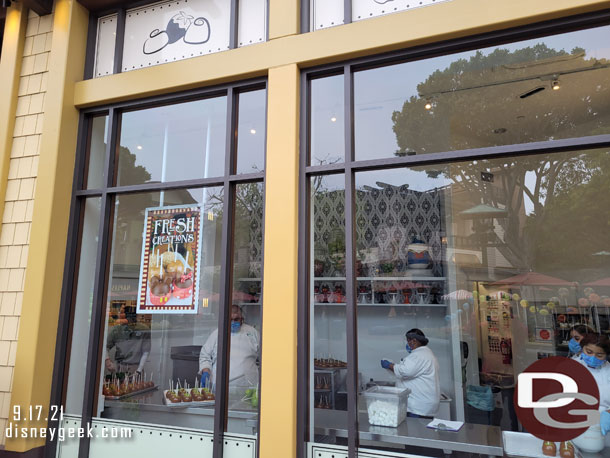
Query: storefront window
(173, 143)
(246, 316)
(82, 306)
(97, 152)
(162, 348)
(251, 129)
(537, 90)
(327, 298)
(160, 292)
(467, 267)
(327, 121)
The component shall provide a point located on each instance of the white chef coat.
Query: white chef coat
(243, 370)
(601, 375)
(419, 372)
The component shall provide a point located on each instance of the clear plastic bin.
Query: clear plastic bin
(386, 405)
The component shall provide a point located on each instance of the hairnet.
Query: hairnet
(421, 339)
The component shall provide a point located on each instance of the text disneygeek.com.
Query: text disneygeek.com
(61, 434)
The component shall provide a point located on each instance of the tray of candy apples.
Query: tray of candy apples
(329, 363)
(121, 386)
(182, 395)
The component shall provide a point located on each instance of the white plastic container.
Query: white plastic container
(386, 405)
(591, 441)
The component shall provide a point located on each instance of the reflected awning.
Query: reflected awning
(459, 295)
(533, 279)
(600, 282)
(483, 211)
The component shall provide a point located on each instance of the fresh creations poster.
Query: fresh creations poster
(169, 270)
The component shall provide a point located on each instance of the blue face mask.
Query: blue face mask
(235, 326)
(592, 361)
(408, 348)
(574, 346)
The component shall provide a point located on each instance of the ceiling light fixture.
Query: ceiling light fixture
(333, 119)
(252, 131)
(555, 85)
(428, 105)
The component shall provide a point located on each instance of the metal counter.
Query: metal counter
(242, 418)
(472, 438)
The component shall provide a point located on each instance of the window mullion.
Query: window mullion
(350, 271)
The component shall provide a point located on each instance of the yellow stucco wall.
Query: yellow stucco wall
(280, 58)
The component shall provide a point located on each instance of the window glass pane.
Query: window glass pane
(328, 348)
(246, 311)
(82, 307)
(402, 278)
(251, 131)
(97, 152)
(160, 347)
(536, 90)
(327, 121)
(467, 273)
(174, 142)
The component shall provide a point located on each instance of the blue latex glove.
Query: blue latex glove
(605, 422)
(205, 376)
(385, 363)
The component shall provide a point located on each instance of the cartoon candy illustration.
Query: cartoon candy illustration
(180, 26)
(198, 32)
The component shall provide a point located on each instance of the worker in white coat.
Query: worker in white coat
(419, 373)
(594, 356)
(245, 343)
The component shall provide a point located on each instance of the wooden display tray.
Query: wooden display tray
(129, 395)
(186, 404)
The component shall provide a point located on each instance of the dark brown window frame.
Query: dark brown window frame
(107, 194)
(350, 167)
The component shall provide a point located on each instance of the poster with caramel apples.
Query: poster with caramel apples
(169, 271)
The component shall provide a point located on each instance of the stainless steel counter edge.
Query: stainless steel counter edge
(188, 410)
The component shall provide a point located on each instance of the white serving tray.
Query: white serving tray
(524, 445)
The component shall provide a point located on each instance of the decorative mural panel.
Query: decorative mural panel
(326, 13)
(388, 221)
(252, 22)
(104, 46)
(175, 30)
(364, 9)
